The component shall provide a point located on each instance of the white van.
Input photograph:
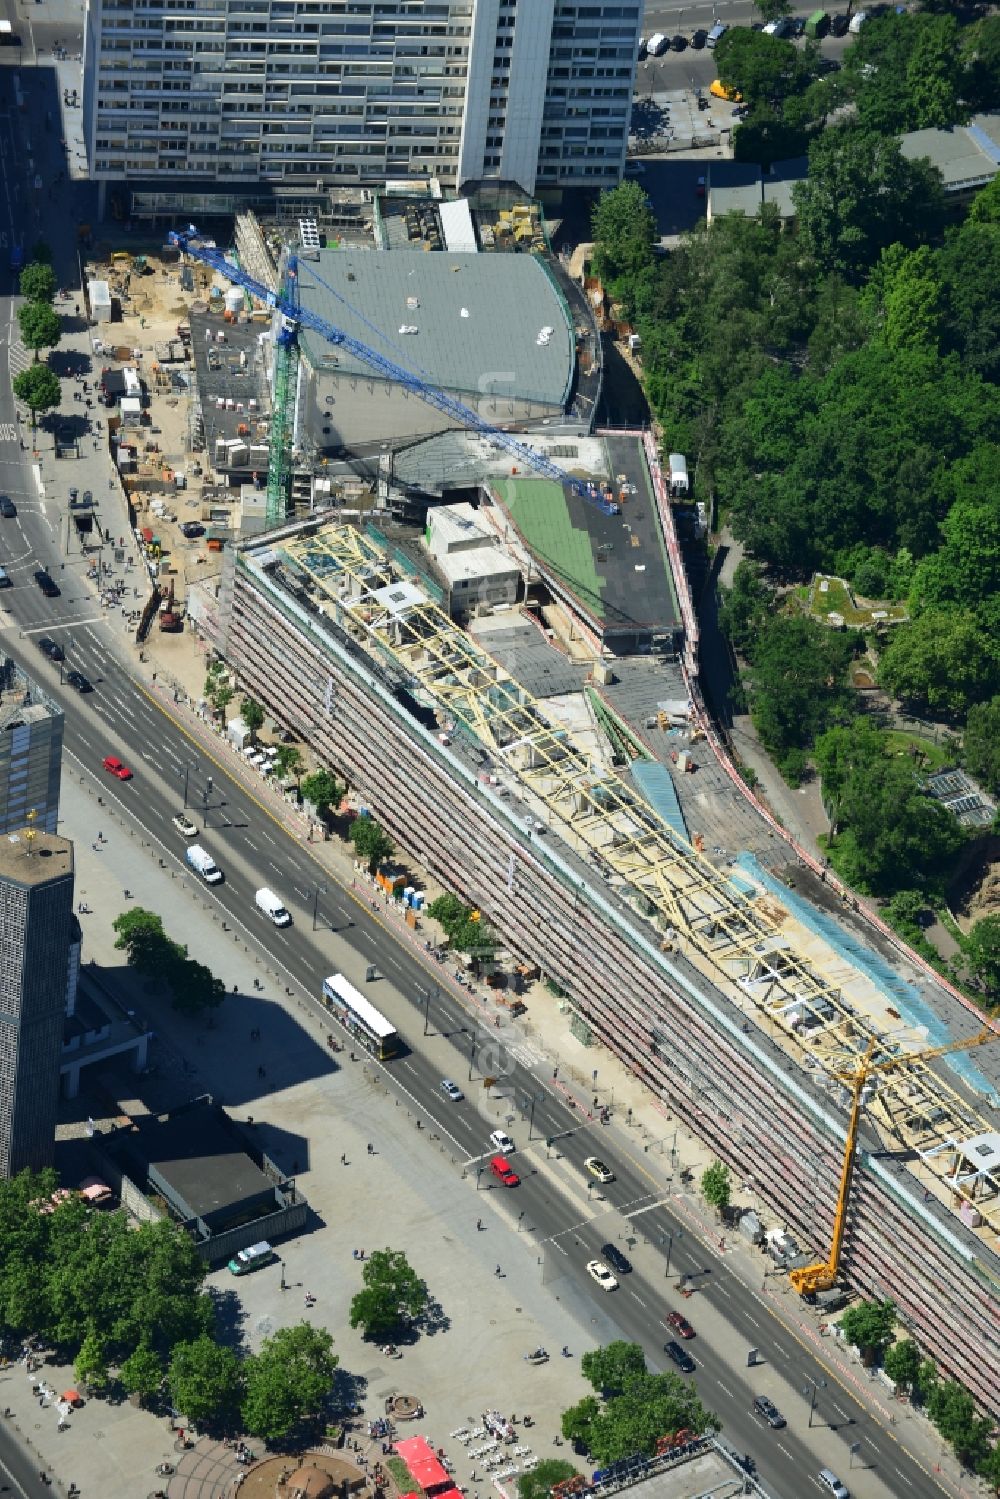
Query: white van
(716, 34)
(254, 1257)
(857, 21)
(202, 863)
(657, 44)
(268, 902)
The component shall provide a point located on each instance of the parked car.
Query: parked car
(7, 507)
(680, 1357)
(114, 767)
(191, 529)
(678, 43)
(598, 1270)
(451, 1090)
(51, 648)
(79, 681)
(597, 1168)
(699, 39)
(184, 825)
(680, 1324)
(616, 1259)
(768, 1411)
(839, 25)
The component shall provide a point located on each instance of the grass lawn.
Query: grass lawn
(400, 1473)
(929, 756)
(836, 598)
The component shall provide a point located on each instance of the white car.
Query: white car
(599, 1169)
(184, 825)
(598, 1270)
(502, 1142)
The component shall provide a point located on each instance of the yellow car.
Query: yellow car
(718, 88)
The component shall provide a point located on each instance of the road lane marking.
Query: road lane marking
(724, 1389)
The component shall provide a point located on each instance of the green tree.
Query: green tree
(371, 842)
(38, 388)
(981, 743)
(927, 1380)
(982, 954)
(195, 988)
(624, 230)
(772, 10)
(142, 1373)
(953, 1411)
(716, 1186)
(141, 937)
(205, 1380)
(252, 715)
(888, 834)
(760, 67)
(37, 283)
(91, 1363)
(744, 607)
(577, 1423)
(944, 661)
(611, 1368)
(223, 697)
(901, 1362)
(288, 1381)
(289, 763)
(323, 790)
(41, 326)
(797, 686)
(861, 195)
(911, 294)
(989, 1468)
(393, 1295)
(652, 1406)
(869, 1324)
(539, 1483)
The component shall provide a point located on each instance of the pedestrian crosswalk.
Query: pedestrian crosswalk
(18, 357)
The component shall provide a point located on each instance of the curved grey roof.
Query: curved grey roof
(493, 345)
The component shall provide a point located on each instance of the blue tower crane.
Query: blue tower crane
(295, 316)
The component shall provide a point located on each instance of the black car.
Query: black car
(51, 648)
(79, 681)
(48, 585)
(192, 528)
(798, 25)
(699, 39)
(681, 1357)
(768, 1411)
(7, 507)
(839, 25)
(678, 43)
(614, 1257)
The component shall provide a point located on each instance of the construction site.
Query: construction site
(552, 791)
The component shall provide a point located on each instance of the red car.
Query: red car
(504, 1171)
(680, 1325)
(115, 767)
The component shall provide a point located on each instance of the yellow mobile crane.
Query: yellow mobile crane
(820, 1277)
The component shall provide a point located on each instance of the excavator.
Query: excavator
(810, 1279)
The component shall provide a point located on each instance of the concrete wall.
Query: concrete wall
(681, 1037)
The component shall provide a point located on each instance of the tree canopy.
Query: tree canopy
(650, 1407)
(624, 233)
(38, 388)
(611, 1369)
(869, 1324)
(288, 1381)
(371, 842)
(37, 282)
(40, 325)
(393, 1295)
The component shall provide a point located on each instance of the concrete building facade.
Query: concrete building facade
(298, 92)
(36, 931)
(31, 734)
(665, 1020)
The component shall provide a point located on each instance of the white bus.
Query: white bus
(359, 1018)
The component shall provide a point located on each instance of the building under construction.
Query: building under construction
(737, 1014)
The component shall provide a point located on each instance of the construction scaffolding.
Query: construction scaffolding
(824, 1013)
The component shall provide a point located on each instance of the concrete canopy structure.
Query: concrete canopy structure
(492, 330)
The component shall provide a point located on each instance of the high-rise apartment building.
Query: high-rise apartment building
(31, 734)
(36, 925)
(307, 93)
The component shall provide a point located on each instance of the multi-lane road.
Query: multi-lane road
(568, 1221)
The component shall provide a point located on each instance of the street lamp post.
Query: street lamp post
(429, 994)
(472, 1053)
(320, 890)
(810, 1389)
(185, 771)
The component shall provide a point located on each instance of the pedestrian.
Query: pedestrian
(343, 1160)
(497, 1272)
(371, 1149)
